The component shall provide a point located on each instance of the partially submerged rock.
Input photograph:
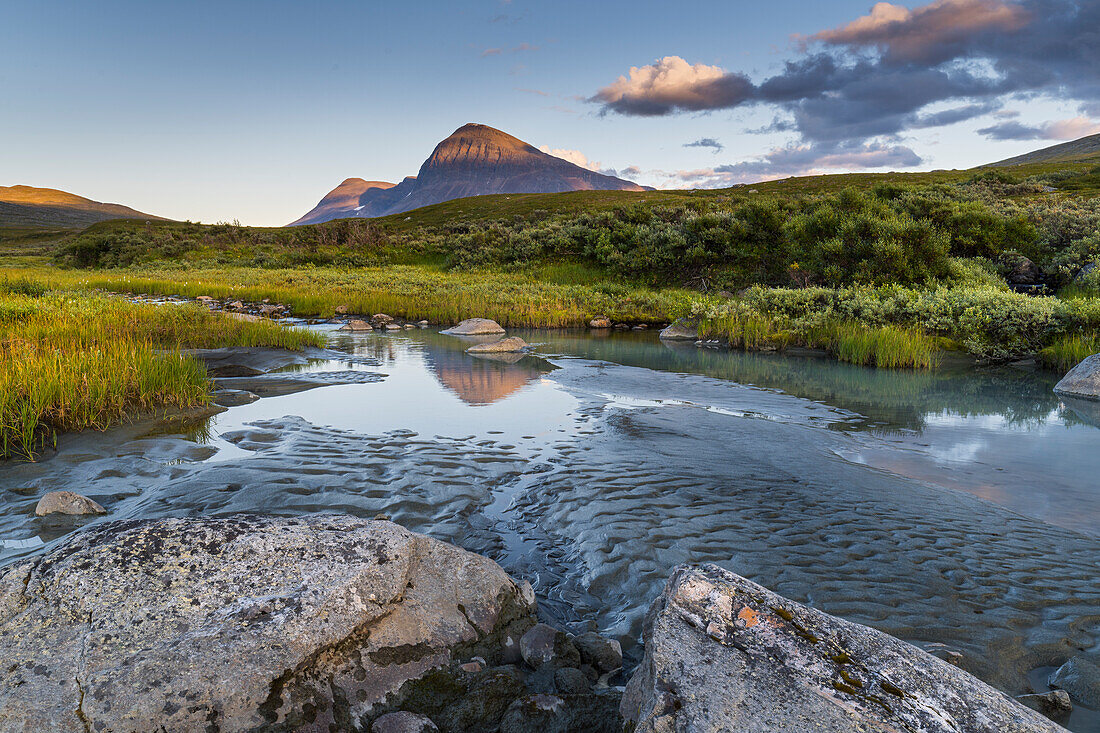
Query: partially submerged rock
(234, 397)
(723, 653)
(356, 325)
(1055, 704)
(510, 345)
(252, 622)
(600, 322)
(67, 502)
(475, 327)
(1083, 381)
(249, 361)
(1081, 679)
(681, 330)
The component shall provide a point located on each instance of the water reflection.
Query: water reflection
(597, 465)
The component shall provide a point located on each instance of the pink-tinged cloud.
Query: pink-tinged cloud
(801, 160)
(928, 33)
(575, 157)
(672, 84)
(1070, 129)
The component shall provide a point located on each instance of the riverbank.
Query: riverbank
(331, 621)
(887, 326)
(73, 360)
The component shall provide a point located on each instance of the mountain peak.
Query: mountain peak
(474, 160)
(479, 142)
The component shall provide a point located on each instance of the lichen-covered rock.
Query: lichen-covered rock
(723, 653)
(510, 345)
(600, 322)
(681, 330)
(1081, 679)
(67, 502)
(475, 327)
(1083, 381)
(248, 623)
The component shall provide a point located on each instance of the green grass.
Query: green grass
(70, 361)
(1068, 351)
(411, 292)
(887, 347)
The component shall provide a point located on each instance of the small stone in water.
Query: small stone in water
(67, 502)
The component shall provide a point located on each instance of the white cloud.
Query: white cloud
(575, 157)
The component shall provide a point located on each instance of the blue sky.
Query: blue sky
(254, 110)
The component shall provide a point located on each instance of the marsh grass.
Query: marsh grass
(1068, 351)
(888, 347)
(404, 291)
(70, 361)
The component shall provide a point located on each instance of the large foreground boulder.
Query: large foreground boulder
(1083, 381)
(244, 623)
(723, 653)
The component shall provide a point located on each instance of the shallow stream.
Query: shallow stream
(958, 509)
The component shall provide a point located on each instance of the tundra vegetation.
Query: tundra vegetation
(71, 360)
(884, 270)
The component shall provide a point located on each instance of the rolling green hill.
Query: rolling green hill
(27, 207)
(1075, 151)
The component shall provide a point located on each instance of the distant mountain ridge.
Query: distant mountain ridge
(475, 160)
(1085, 147)
(28, 206)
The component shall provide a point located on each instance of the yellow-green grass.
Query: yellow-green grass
(887, 347)
(406, 291)
(1066, 352)
(70, 361)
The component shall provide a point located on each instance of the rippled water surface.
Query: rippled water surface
(958, 509)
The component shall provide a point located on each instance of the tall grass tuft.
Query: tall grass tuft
(1066, 352)
(889, 347)
(70, 361)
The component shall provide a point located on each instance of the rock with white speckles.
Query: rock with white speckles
(257, 623)
(723, 653)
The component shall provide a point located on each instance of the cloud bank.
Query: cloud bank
(852, 92)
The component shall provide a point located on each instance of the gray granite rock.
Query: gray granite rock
(543, 644)
(1081, 679)
(723, 653)
(356, 325)
(605, 655)
(475, 327)
(510, 345)
(403, 722)
(681, 330)
(253, 622)
(1055, 704)
(67, 502)
(1083, 381)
